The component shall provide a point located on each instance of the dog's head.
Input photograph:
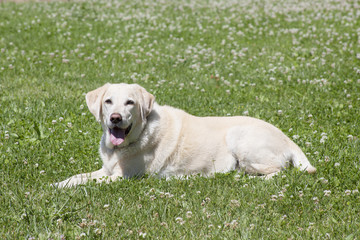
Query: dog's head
(122, 110)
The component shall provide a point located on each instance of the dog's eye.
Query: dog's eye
(129, 102)
(108, 101)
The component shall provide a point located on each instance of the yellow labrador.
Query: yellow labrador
(140, 136)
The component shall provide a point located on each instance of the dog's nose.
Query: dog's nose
(115, 118)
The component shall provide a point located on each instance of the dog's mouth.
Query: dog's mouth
(118, 135)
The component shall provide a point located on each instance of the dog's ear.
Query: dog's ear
(94, 98)
(147, 102)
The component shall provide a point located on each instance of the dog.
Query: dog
(140, 136)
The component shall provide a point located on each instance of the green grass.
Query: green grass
(295, 64)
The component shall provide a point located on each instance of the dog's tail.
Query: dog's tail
(299, 160)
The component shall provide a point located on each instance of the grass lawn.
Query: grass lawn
(295, 64)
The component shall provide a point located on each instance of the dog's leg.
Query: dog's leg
(271, 175)
(99, 176)
(264, 171)
(264, 168)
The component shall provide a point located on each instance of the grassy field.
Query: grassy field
(295, 64)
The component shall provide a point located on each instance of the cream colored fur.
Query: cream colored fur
(165, 141)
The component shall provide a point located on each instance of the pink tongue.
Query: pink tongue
(117, 136)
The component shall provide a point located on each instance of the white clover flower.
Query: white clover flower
(164, 224)
(323, 180)
(301, 193)
(350, 137)
(179, 220)
(323, 139)
(142, 235)
(295, 137)
(169, 195)
(274, 198)
(237, 177)
(234, 223)
(252, 226)
(97, 231)
(234, 203)
(327, 193)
